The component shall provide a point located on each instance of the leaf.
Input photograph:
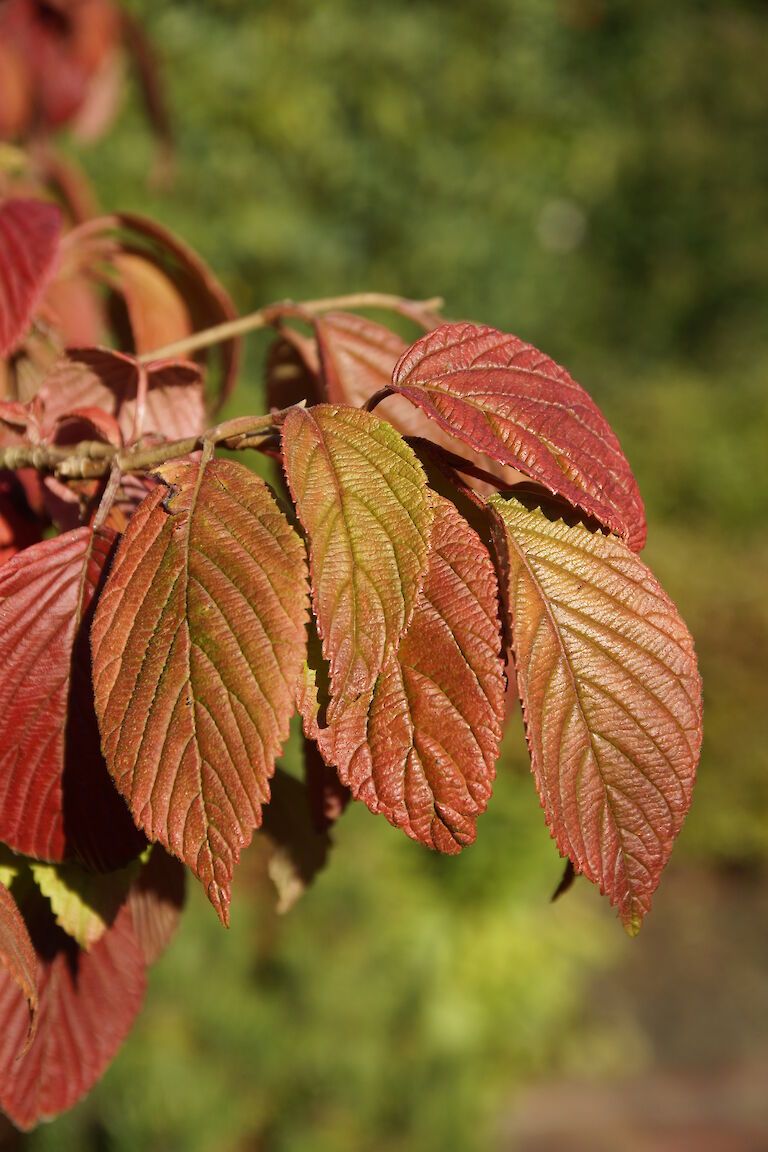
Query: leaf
(18, 965)
(10, 866)
(156, 901)
(611, 699)
(358, 357)
(298, 849)
(156, 309)
(29, 244)
(19, 527)
(509, 401)
(84, 903)
(327, 797)
(422, 748)
(56, 798)
(361, 495)
(88, 1003)
(292, 371)
(197, 641)
(102, 378)
(199, 300)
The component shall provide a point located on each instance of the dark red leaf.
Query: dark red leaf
(29, 245)
(56, 798)
(292, 371)
(506, 399)
(156, 901)
(326, 795)
(18, 963)
(88, 1002)
(298, 850)
(198, 640)
(19, 527)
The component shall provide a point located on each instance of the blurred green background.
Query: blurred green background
(592, 176)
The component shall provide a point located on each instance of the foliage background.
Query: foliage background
(593, 176)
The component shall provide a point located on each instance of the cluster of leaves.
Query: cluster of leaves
(450, 510)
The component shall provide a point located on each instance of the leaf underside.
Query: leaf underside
(156, 901)
(18, 965)
(29, 243)
(506, 399)
(103, 378)
(197, 643)
(611, 698)
(56, 798)
(422, 745)
(88, 1002)
(361, 496)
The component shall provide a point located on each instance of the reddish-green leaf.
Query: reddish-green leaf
(56, 798)
(611, 698)
(509, 401)
(198, 641)
(422, 747)
(156, 901)
(361, 495)
(17, 958)
(29, 244)
(87, 1004)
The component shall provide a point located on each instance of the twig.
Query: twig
(91, 458)
(265, 317)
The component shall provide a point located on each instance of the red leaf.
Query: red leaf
(292, 371)
(156, 901)
(17, 957)
(361, 495)
(102, 378)
(358, 357)
(29, 244)
(508, 400)
(327, 797)
(88, 1003)
(146, 256)
(19, 527)
(611, 699)
(422, 747)
(56, 798)
(198, 641)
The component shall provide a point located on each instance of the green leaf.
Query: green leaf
(197, 642)
(611, 698)
(361, 495)
(84, 903)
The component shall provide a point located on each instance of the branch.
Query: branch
(265, 317)
(92, 458)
